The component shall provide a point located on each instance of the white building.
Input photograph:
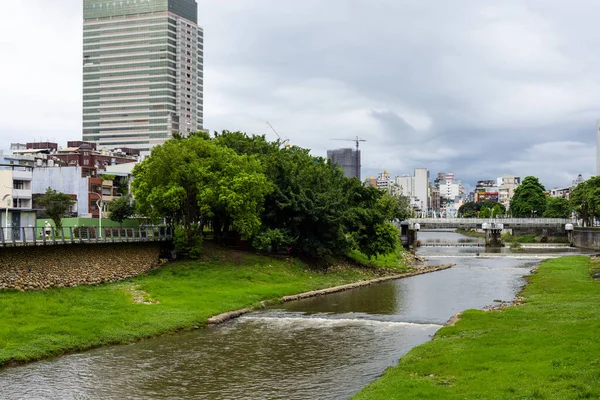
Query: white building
(383, 180)
(506, 189)
(16, 196)
(66, 180)
(405, 185)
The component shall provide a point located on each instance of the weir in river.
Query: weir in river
(327, 347)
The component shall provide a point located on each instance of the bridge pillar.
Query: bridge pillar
(493, 234)
(569, 228)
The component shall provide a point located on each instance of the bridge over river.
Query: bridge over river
(477, 223)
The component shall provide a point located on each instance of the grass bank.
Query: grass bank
(470, 233)
(545, 348)
(179, 296)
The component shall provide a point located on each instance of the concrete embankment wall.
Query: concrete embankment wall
(548, 232)
(44, 267)
(586, 238)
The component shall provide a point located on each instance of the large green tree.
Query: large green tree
(121, 209)
(314, 210)
(585, 200)
(529, 199)
(194, 181)
(557, 207)
(56, 205)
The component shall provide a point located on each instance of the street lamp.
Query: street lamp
(100, 204)
(8, 201)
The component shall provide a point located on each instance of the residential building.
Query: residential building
(422, 188)
(76, 154)
(564, 193)
(347, 159)
(142, 72)
(506, 189)
(405, 184)
(370, 181)
(384, 181)
(598, 147)
(16, 196)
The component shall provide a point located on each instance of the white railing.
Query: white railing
(478, 221)
(36, 236)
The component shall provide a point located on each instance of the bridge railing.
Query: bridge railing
(478, 221)
(40, 236)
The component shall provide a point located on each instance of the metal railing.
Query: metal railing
(40, 236)
(479, 221)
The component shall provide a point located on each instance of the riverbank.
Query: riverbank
(176, 297)
(545, 348)
(470, 233)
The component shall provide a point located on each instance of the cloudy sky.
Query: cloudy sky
(481, 88)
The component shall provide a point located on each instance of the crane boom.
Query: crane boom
(357, 141)
(285, 142)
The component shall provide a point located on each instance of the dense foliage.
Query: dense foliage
(473, 210)
(557, 207)
(56, 206)
(529, 199)
(281, 198)
(195, 182)
(585, 200)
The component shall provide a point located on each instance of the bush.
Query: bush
(189, 243)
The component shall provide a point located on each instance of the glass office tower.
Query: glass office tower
(142, 71)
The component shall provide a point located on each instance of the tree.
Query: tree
(585, 200)
(314, 209)
(194, 181)
(497, 210)
(56, 206)
(121, 209)
(472, 209)
(557, 207)
(485, 213)
(529, 199)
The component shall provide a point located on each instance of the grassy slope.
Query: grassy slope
(470, 233)
(547, 348)
(39, 324)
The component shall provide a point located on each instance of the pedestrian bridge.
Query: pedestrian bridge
(476, 223)
(35, 236)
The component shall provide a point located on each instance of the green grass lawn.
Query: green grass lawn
(546, 348)
(39, 324)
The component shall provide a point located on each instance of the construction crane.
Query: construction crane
(357, 141)
(284, 142)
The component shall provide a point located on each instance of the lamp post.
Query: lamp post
(100, 204)
(8, 201)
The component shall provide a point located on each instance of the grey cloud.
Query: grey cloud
(478, 88)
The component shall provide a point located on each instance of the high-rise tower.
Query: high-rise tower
(142, 71)
(598, 147)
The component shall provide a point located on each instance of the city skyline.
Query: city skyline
(513, 91)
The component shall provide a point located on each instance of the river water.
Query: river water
(326, 347)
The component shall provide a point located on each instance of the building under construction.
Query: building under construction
(347, 159)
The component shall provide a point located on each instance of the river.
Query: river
(326, 347)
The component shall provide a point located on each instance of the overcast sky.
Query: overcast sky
(481, 88)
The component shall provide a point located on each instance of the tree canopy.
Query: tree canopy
(121, 209)
(195, 181)
(529, 199)
(585, 200)
(473, 209)
(56, 205)
(557, 207)
(279, 197)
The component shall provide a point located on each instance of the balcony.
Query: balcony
(21, 193)
(22, 175)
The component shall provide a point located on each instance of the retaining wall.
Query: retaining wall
(44, 267)
(586, 238)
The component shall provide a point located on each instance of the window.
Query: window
(18, 185)
(86, 162)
